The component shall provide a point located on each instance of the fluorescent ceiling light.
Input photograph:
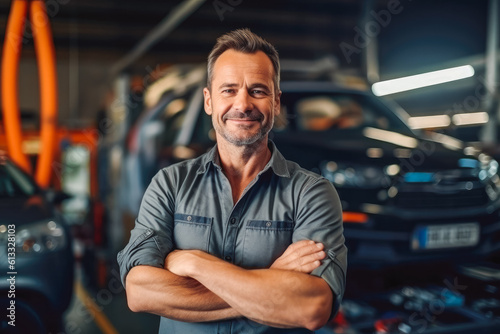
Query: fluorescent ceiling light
(428, 122)
(470, 118)
(390, 137)
(422, 80)
(447, 141)
(374, 152)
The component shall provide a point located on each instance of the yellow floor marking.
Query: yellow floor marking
(100, 318)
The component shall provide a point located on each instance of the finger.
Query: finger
(304, 260)
(291, 256)
(296, 261)
(309, 267)
(297, 245)
(305, 250)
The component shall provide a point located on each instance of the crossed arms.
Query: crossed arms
(195, 286)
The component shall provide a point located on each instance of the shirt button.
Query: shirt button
(228, 258)
(233, 221)
(268, 224)
(189, 218)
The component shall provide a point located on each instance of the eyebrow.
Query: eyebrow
(228, 85)
(260, 85)
(256, 85)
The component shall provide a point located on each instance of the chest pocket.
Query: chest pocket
(265, 241)
(192, 232)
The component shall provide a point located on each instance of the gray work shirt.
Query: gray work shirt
(189, 205)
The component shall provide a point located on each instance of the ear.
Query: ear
(277, 104)
(207, 104)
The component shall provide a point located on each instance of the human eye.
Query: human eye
(258, 92)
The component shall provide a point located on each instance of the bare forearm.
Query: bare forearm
(161, 292)
(279, 297)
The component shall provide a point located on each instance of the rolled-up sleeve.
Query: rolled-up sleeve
(319, 218)
(151, 238)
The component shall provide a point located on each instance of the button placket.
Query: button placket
(230, 238)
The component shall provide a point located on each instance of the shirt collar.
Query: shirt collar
(277, 162)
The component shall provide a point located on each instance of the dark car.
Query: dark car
(36, 259)
(406, 196)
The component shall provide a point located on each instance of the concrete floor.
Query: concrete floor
(95, 311)
(104, 310)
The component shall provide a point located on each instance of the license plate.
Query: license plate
(445, 236)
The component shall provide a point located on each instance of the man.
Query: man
(238, 240)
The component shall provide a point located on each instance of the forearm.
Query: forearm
(280, 298)
(158, 291)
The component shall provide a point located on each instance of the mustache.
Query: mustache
(250, 116)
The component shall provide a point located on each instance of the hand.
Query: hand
(302, 256)
(183, 262)
(178, 261)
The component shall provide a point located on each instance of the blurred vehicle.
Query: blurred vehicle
(406, 195)
(43, 260)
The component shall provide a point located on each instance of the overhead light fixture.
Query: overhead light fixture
(422, 80)
(390, 137)
(447, 141)
(429, 122)
(470, 118)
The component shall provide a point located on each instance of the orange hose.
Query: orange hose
(354, 217)
(10, 94)
(47, 73)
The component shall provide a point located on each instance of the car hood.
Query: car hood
(24, 210)
(309, 150)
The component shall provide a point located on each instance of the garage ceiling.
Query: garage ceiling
(110, 28)
(300, 29)
(424, 35)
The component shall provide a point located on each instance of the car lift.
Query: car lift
(45, 53)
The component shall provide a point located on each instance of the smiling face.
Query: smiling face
(242, 99)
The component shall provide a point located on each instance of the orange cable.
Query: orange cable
(9, 80)
(354, 217)
(45, 55)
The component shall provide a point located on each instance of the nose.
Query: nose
(243, 101)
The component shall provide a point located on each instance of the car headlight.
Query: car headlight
(488, 174)
(358, 176)
(488, 166)
(41, 237)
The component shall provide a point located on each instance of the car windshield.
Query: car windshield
(324, 112)
(14, 183)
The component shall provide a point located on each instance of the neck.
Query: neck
(243, 161)
(241, 164)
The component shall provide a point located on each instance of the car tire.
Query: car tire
(27, 320)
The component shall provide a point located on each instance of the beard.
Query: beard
(237, 140)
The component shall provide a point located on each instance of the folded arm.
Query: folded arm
(164, 293)
(276, 297)
(161, 292)
(151, 288)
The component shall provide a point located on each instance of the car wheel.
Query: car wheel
(26, 319)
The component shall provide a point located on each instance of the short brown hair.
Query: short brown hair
(243, 40)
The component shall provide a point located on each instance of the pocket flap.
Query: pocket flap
(271, 225)
(181, 217)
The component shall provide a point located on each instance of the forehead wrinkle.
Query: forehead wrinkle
(236, 67)
(233, 71)
(231, 79)
(228, 84)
